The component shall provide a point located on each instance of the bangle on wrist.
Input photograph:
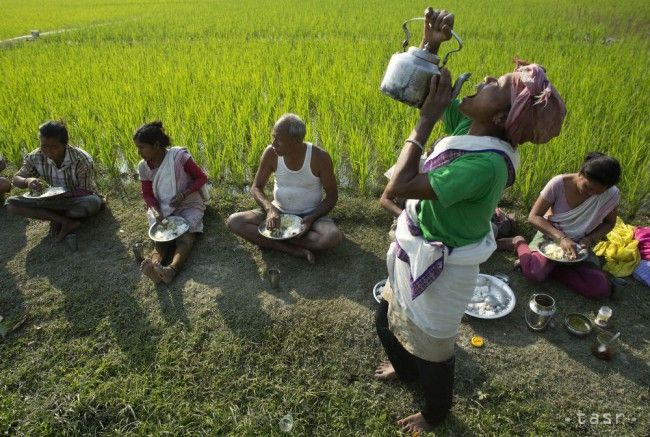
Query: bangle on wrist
(417, 143)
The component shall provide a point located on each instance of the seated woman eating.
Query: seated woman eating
(572, 208)
(171, 181)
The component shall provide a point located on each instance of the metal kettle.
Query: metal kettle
(408, 75)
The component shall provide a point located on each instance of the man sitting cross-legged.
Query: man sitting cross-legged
(57, 164)
(302, 173)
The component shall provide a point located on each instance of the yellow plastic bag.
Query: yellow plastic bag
(620, 250)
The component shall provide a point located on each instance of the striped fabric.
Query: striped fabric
(77, 172)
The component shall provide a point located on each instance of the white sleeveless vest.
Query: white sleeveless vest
(297, 192)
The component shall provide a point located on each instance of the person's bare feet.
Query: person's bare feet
(308, 255)
(414, 423)
(67, 228)
(510, 244)
(147, 268)
(385, 371)
(166, 274)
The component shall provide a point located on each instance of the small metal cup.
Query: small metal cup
(138, 251)
(274, 277)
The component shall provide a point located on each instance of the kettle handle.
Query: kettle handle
(407, 35)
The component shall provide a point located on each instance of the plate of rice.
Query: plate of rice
(169, 229)
(44, 193)
(492, 298)
(554, 252)
(290, 226)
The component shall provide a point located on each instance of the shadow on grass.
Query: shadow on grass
(630, 312)
(347, 271)
(171, 303)
(97, 282)
(237, 270)
(13, 240)
(222, 263)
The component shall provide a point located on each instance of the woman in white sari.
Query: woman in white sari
(572, 209)
(444, 232)
(172, 184)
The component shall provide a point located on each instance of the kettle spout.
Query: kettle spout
(459, 84)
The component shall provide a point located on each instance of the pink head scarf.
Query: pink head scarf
(537, 110)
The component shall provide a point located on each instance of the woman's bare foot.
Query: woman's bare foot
(308, 255)
(66, 229)
(385, 371)
(510, 244)
(146, 267)
(414, 423)
(166, 274)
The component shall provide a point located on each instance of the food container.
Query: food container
(540, 311)
(578, 324)
(492, 298)
(605, 345)
(169, 229)
(138, 251)
(603, 316)
(291, 226)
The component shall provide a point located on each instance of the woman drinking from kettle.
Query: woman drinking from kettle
(444, 232)
(171, 181)
(572, 209)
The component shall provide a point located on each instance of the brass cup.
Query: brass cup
(274, 277)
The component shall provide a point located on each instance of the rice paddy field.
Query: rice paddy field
(219, 73)
(88, 346)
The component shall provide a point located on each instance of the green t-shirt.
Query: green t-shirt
(467, 192)
(456, 123)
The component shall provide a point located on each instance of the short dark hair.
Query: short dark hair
(54, 129)
(601, 168)
(152, 133)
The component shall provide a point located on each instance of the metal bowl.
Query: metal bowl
(290, 227)
(577, 324)
(581, 254)
(492, 298)
(378, 289)
(47, 192)
(169, 229)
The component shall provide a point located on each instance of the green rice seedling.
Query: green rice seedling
(218, 79)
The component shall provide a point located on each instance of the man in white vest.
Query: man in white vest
(303, 173)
